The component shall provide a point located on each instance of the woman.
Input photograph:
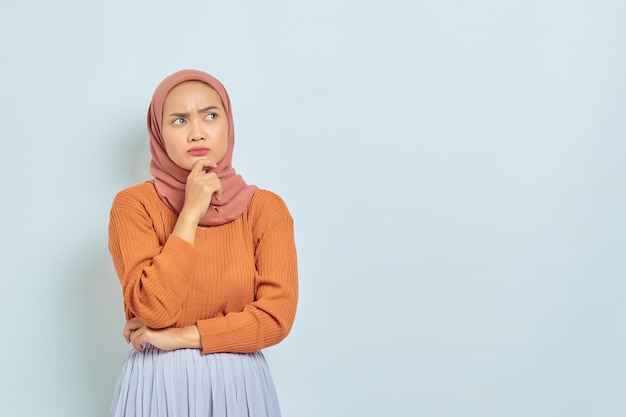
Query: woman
(207, 265)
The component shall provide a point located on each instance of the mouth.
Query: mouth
(198, 151)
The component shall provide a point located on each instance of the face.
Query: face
(195, 124)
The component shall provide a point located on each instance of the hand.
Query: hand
(137, 333)
(200, 187)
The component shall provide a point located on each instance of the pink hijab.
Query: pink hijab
(169, 179)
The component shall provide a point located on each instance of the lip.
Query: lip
(198, 151)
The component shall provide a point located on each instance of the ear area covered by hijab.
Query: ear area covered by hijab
(170, 179)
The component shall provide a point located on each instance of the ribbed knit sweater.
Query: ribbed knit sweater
(238, 283)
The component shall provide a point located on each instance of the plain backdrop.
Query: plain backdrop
(455, 170)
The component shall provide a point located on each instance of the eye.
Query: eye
(210, 116)
(178, 121)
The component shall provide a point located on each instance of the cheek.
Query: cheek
(222, 148)
(170, 143)
(167, 144)
(167, 138)
(223, 141)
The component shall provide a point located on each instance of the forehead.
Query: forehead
(190, 92)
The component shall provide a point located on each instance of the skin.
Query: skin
(193, 117)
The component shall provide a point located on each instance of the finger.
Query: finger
(201, 165)
(211, 164)
(127, 331)
(130, 326)
(138, 345)
(137, 338)
(197, 167)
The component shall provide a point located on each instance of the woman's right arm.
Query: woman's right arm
(153, 274)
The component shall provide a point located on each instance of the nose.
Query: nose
(196, 133)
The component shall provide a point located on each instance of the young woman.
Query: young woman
(207, 266)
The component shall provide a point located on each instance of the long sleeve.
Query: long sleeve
(154, 274)
(269, 318)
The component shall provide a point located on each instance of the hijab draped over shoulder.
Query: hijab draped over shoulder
(170, 179)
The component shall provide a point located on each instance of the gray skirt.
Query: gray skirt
(186, 383)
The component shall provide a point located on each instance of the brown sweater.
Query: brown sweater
(238, 283)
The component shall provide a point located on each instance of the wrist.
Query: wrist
(185, 227)
(188, 337)
(189, 218)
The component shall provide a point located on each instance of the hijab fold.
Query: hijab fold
(170, 179)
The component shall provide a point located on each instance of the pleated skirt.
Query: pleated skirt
(186, 383)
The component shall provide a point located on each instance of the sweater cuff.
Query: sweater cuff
(214, 335)
(221, 335)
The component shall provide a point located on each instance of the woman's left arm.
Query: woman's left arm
(268, 319)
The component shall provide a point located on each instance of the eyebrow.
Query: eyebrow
(202, 110)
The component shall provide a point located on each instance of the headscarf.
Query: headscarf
(170, 179)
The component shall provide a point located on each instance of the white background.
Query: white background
(455, 170)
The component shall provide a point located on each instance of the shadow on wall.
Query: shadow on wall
(98, 292)
(99, 326)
